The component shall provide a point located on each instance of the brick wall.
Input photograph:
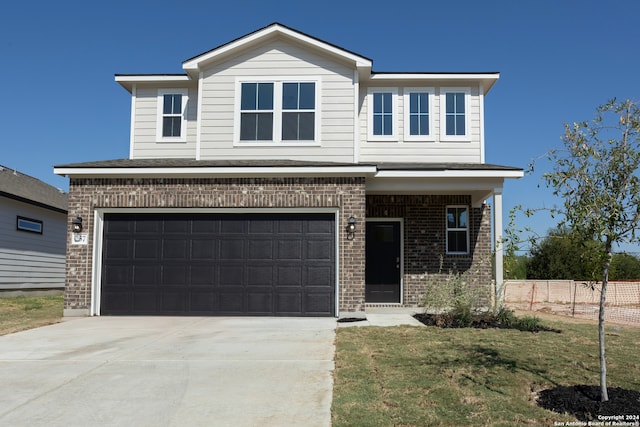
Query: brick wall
(347, 194)
(425, 239)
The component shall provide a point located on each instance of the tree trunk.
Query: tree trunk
(604, 395)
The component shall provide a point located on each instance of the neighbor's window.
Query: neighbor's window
(417, 114)
(172, 105)
(457, 229)
(28, 224)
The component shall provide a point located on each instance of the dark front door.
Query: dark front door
(218, 264)
(382, 275)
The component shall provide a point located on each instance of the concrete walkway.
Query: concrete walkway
(169, 371)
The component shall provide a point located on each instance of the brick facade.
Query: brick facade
(425, 239)
(423, 217)
(346, 194)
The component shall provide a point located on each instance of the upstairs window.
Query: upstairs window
(382, 115)
(457, 229)
(298, 116)
(256, 112)
(417, 114)
(454, 114)
(277, 111)
(172, 105)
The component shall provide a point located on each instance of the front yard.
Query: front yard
(428, 376)
(410, 376)
(25, 312)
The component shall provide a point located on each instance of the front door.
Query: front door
(382, 269)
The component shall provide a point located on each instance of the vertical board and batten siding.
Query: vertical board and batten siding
(432, 151)
(146, 144)
(31, 260)
(279, 59)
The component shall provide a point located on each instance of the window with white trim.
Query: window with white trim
(256, 112)
(382, 114)
(454, 114)
(457, 229)
(418, 115)
(278, 111)
(172, 107)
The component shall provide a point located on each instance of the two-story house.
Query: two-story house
(279, 175)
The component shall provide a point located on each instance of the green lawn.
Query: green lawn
(414, 376)
(20, 313)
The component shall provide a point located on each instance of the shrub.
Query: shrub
(451, 293)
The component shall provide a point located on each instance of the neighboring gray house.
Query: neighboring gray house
(33, 233)
(280, 175)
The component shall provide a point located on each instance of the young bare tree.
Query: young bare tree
(596, 175)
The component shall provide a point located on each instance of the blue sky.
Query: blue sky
(558, 60)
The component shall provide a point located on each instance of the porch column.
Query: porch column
(497, 232)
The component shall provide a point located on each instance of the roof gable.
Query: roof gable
(194, 65)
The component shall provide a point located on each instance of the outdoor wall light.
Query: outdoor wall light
(351, 227)
(76, 225)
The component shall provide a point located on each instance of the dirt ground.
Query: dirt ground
(629, 316)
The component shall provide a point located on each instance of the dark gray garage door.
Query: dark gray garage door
(218, 264)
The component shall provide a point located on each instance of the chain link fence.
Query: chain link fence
(576, 298)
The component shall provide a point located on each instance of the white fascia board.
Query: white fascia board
(450, 174)
(152, 78)
(487, 79)
(194, 64)
(129, 81)
(219, 171)
(435, 76)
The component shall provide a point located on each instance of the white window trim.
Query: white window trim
(407, 114)
(183, 126)
(447, 229)
(277, 113)
(443, 114)
(394, 114)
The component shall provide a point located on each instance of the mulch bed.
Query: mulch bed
(481, 321)
(583, 402)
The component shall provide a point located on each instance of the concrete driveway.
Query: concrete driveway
(169, 371)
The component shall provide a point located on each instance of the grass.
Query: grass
(21, 313)
(409, 376)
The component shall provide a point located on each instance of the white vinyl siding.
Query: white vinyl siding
(31, 260)
(283, 61)
(434, 149)
(146, 144)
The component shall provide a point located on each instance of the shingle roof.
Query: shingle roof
(25, 188)
(191, 163)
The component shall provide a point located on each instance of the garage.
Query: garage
(243, 264)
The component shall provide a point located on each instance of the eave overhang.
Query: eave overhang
(128, 81)
(487, 79)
